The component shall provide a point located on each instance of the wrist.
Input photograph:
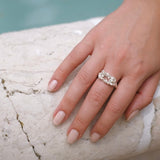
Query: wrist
(151, 3)
(152, 6)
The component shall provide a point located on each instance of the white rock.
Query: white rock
(28, 59)
(13, 139)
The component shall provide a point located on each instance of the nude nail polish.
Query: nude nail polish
(52, 85)
(95, 137)
(57, 120)
(132, 115)
(73, 136)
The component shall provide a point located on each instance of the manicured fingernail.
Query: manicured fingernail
(52, 85)
(132, 115)
(58, 118)
(95, 137)
(73, 136)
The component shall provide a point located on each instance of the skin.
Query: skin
(126, 44)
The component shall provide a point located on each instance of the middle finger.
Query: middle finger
(78, 87)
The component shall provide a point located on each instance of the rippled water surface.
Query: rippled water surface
(24, 14)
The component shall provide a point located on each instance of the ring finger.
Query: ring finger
(118, 103)
(95, 99)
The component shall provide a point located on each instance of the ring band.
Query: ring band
(107, 78)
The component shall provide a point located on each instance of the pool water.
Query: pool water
(23, 14)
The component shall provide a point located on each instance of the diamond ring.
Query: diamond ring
(107, 78)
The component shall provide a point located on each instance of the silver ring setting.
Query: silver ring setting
(107, 78)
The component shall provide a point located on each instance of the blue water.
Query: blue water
(23, 14)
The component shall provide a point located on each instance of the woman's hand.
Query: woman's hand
(126, 44)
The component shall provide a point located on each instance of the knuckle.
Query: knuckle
(96, 97)
(102, 127)
(145, 98)
(60, 71)
(116, 109)
(123, 54)
(73, 59)
(80, 122)
(87, 45)
(68, 100)
(84, 78)
(132, 79)
(83, 46)
(139, 69)
(77, 49)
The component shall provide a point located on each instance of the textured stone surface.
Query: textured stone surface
(27, 61)
(148, 156)
(13, 141)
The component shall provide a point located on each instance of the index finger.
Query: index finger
(76, 57)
